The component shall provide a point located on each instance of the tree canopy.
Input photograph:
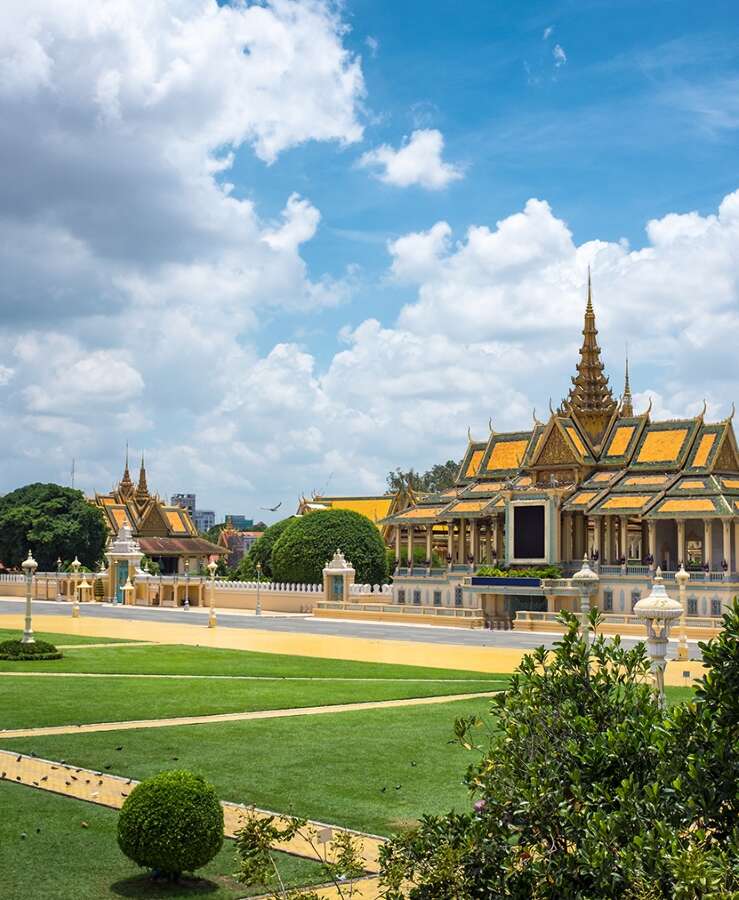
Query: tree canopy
(303, 549)
(437, 478)
(587, 788)
(53, 522)
(261, 551)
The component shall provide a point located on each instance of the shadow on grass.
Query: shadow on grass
(146, 885)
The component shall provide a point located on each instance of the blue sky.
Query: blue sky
(283, 244)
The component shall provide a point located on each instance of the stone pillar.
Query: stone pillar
(680, 543)
(597, 524)
(397, 543)
(450, 539)
(409, 545)
(475, 541)
(429, 532)
(736, 547)
(566, 537)
(489, 541)
(461, 541)
(726, 523)
(608, 551)
(499, 540)
(652, 538)
(707, 539)
(624, 542)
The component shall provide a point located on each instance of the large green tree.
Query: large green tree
(586, 788)
(53, 522)
(261, 552)
(302, 551)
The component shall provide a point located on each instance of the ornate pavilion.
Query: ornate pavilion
(166, 534)
(596, 479)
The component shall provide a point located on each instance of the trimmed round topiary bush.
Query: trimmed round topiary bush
(38, 650)
(171, 823)
(303, 549)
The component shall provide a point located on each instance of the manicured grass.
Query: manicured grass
(28, 702)
(60, 859)
(150, 659)
(15, 634)
(355, 769)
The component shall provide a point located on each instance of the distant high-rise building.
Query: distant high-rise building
(186, 501)
(239, 523)
(204, 519)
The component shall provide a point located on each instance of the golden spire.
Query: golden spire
(590, 391)
(142, 490)
(627, 403)
(126, 485)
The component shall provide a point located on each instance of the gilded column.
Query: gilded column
(707, 540)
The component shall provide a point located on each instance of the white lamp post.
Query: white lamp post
(58, 578)
(212, 566)
(586, 581)
(659, 611)
(75, 566)
(84, 587)
(29, 566)
(186, 604)
(258, 610)
(682, 578)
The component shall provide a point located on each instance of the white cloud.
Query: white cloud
(560, 57)
(547, 32)
(418, 161)
(373, 44)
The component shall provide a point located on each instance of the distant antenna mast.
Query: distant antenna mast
(328, 482)
(72, 471)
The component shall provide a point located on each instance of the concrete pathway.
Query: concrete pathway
(112, 790)
(237, 717)
(179, 677)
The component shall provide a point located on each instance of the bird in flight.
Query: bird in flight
(271, 508)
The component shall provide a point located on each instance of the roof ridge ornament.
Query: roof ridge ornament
(702, 414)
(730, 417)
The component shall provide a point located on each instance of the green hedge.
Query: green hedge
(304, 548)
(17, 650)
(535, 572)
(171, 823)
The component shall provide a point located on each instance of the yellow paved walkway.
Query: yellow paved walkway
(237, 717)
(112, 790)
(411, 653)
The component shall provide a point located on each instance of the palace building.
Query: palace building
(596, 479)
(166, 534)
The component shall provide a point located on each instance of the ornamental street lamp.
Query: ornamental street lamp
(586, 581)
(58, 578)
(29, 566)
(659, 611)
(682, 578)
(186, 604)
(75, 566)
(84, 587)
(258, 610)
(212, 566)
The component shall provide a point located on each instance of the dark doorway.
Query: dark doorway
(528, 532)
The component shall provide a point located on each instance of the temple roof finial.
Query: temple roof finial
(126, 485)
(627, 402)
(142, 490)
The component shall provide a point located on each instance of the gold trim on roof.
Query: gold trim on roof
(704, 449)
(662, 445)
(421, 512)
(602, 476)
(583, 499)
(468, 506)
(487, 487)
(639, 480)
(620, 440)
(730, 482)
(693, 484)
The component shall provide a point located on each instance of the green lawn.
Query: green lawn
(60, 859)
(10, 634)
(150, 659)
(355, 769)
(28, 702)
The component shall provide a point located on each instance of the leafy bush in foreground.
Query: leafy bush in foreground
(17, 650)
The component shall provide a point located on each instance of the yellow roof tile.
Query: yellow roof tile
(620, 440)
(695, 505)
(730, 482)
(602, 476)
(474, 465)
(637, 480)
(120, 516)
(469, 506)
(175, 522)
(663, 445)
(704, 448)
(487, 486)
(421, 512)
(692, 484)
(507, 455)
(628, 501)
(576, 440)
(582, 499)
